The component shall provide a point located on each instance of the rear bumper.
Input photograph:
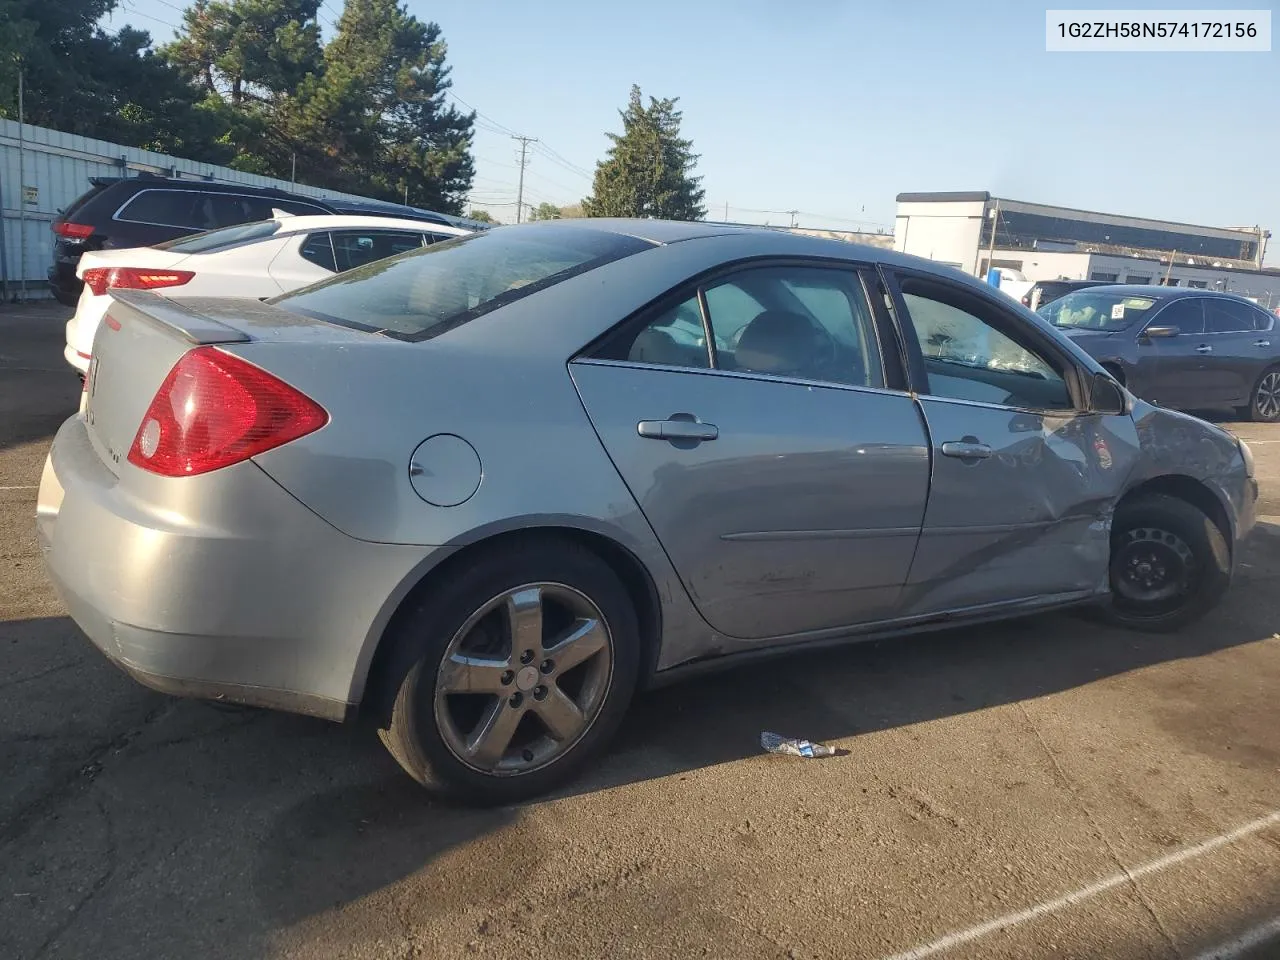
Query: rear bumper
(233, 591)
(64, 283)
(77, 359)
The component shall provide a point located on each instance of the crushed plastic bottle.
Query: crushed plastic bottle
(776, 743)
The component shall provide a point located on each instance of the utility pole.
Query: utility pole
(793, 216)
(995, 225)
(726, 211)
(524, 147)
(22, 188)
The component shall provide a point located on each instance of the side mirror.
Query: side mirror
(1106, 396)
(1160, 333)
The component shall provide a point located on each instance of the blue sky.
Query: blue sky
(834, 110)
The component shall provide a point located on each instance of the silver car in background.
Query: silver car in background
(486, 490)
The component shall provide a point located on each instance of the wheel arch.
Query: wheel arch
(373, 688)
(1190, 490)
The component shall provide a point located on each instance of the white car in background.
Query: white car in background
(258, 260)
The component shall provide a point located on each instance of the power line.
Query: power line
(553, 183)
(139, 13)
(500, 127)
(556, 158)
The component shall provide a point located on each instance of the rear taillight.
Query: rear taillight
(102, 279)
(72, 231)
(215, 409)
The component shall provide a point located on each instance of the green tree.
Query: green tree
(649, 169)
(80, 79)
(365, 113)
(545, 211)
(484, 216)
(378, 113)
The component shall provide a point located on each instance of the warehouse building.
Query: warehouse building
(1032, 241)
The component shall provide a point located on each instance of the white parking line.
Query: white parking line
(1243, 943)
(960, 937)
(21, 488)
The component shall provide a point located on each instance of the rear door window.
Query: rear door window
(318, 249)
(355, 248)
(1227, 316)
(171, 208)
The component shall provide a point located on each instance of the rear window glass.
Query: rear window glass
(217, 239)
(433, 289)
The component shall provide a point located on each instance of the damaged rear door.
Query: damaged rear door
(1024, 479)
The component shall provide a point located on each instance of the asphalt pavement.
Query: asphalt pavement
(1044, 788)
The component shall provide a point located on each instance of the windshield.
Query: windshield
(1096, 310)
(425, 292)
(217, 239)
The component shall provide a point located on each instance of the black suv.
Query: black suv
(144, 210)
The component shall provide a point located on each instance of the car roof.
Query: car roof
(339, 221)
(1157, 292)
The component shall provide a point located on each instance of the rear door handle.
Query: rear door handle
(677, 429)
(1262, 343)
(966, 450)
(1204, 348)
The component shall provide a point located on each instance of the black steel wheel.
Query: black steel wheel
(1170, 564)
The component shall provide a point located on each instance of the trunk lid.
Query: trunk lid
(144, 334)
(129, 257)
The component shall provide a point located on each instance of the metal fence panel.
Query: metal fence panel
(55, 168)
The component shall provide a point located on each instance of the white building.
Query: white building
(1042, 242)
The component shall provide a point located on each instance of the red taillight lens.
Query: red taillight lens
(215, 409)
(102, 279)
(73, 231)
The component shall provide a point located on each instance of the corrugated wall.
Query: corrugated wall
(42, 171)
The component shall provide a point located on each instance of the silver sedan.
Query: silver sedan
(487, 490)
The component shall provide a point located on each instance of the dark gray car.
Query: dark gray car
(1183, 348)
(484, 491)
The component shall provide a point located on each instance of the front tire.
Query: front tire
(519, 670)
(1170, 564)
(1264, 405)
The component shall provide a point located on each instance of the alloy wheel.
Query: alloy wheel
(1268, 398)
(523, 679)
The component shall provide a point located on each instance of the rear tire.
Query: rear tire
(480, 673)
(1264, 404)
(1170, 565)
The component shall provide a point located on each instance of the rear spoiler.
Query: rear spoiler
(178, 316)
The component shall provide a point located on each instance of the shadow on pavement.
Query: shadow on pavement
(38, 389)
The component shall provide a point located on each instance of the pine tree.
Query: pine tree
(365, 113)
(649, 169)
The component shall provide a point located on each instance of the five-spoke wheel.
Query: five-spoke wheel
(513, 670)
(523, 678)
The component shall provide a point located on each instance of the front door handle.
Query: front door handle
(966, 450)
(1262, 343)
(1204, 348)
(677, 428)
